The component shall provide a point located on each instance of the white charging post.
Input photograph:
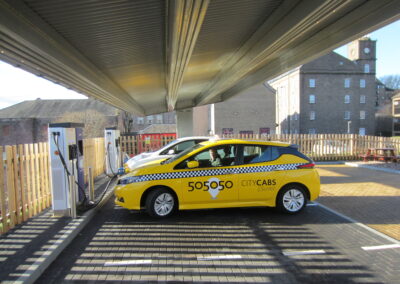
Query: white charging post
(66, 159)
(113, 153)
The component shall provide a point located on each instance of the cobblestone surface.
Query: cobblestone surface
(225, 246)
(381, 165)
(368, 196)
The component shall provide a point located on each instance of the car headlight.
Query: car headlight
(128, 180)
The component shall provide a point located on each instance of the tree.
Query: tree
(127, 121)
(391, 81)
(94, 121)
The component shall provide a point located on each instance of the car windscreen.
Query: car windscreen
(168, 145)
(181, 154)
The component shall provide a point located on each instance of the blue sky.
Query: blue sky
(17, 85)
(388, 46)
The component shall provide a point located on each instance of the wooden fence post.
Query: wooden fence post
(3, 204)
(17, 191)
(10, 187)
(47, 174)
(28, 180)
(22, 182)
(33, 180)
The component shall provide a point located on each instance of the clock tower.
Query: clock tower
(363, 52)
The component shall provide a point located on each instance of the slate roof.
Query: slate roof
(54, 108)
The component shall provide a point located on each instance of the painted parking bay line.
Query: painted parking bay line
(392, 246)
(128, 262)
(219, 257)
(303, 252)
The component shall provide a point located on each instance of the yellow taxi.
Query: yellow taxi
(221, 174)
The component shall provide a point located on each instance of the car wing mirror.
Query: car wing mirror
(171, 152)
(192, 164)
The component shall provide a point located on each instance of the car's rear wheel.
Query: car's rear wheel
(291, 199)
(161, 203)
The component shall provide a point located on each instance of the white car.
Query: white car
(168, 151)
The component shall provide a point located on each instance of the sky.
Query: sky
(17, 85)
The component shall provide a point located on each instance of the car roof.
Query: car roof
(239, 141)
(193, 138)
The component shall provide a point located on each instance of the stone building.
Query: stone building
(331, 94)
(27, 122)
(250, 112)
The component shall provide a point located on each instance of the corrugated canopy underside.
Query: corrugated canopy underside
(151, 56)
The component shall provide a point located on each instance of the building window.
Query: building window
(140, 120)
(347, 99)
(312, 115)
(311, 83)
(159, 118)
(362, 114)
(347, 115)
(362, 99)
(312, 131)
(366, 68)
(265, 130)
(312, 99)
(361, 131)
(362, 83)
(149, 119)
(347, 83)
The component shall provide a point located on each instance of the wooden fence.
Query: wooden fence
(133, 145)
(25, 178)
(329, 147)
(94, 156)
(24, 182)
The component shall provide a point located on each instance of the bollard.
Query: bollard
(72, 194)
(91, 184)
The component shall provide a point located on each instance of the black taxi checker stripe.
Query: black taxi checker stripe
(214, 172)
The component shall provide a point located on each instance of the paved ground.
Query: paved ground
(368, 196)
(241, 245)
(231, 245)
(31, 246)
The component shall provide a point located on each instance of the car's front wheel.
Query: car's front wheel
(161, 203)
(291, 199)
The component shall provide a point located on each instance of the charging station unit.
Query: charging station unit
(113, 153)
(66, 158)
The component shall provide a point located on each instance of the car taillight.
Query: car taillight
(306, 166)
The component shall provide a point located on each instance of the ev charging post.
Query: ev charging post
(66, 159)
(113, 153)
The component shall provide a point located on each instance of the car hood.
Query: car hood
(139, 163)
(151, 167)
(140, 156)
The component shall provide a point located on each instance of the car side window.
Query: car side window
(259, 154)
(221, 156)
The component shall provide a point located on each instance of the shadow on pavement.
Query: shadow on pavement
(220, 246)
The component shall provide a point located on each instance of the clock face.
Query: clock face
(366, 50)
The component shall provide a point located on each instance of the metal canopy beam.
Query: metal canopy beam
(293, 35)
(374, 14)
(185, 19)
(35, 47)
(151, 56)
